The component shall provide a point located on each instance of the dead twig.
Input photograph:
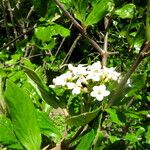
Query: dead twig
(18, 37)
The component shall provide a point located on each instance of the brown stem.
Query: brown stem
(136, 63)
(12, 18)
(69, 15)
(80, 28)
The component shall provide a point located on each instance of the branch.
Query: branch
(80, 28)
(11, 17)
(65, 60)
(5, 18)
(136, 63)
(9, 43)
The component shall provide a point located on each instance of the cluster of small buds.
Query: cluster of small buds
(81, 78)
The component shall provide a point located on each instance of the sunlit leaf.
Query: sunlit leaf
(82, 119)
(23, 116)
(127, 11)
(100, 9)
(80, 9)
(7, 135)
(45, 33)
(131, 137)
(47, 126)
(114, 116)
(46, 93)
(148, 135)
(86, 141)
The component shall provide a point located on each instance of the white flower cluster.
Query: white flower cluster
(87, 79)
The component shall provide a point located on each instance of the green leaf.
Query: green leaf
(82, 119)
(61, 30)
(23, 116)
(86, 141)
(45, 33)
(7, 135)
(139, 40)
(47, 126)
(114, 116)
(140, 130)
(131, 137)
(148, 135)
(80, 9)
(127, 11)
(138, 82)
(98, 12)
(46, 93)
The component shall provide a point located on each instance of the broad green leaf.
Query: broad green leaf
(47, 126)
(114, 116)
(86, 141)
(23, 116)
(127, 11)
(80, 10)
(140, 131)
(100, 9)
(138, 83)
(61, 30)
(148, 135)
(131, 137)
(45, 33)
(46, 93)
(139, 40)
(7, 135)
(82, 119)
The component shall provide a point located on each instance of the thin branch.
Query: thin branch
(62, 43)
(69, 15)
(12, 17)
(5, 18)
(71, 50)
(14, 40)
(30, 12)
(136, 63)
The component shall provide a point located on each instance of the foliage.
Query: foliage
(44, 104)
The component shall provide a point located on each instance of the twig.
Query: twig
(137, 61)
(62, 43)
(5, 18)
(81, 29)
(28, 15)
(9, 43)
(71, 50)
(30, 12)
(69, 15)
(12, 18)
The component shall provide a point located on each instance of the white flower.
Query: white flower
(95, 66)
(93, 76)
(62, 79)
(110, 74)
(74, 87)
(78, 71)
(76, 90)
(70, 85)
(99, 92)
